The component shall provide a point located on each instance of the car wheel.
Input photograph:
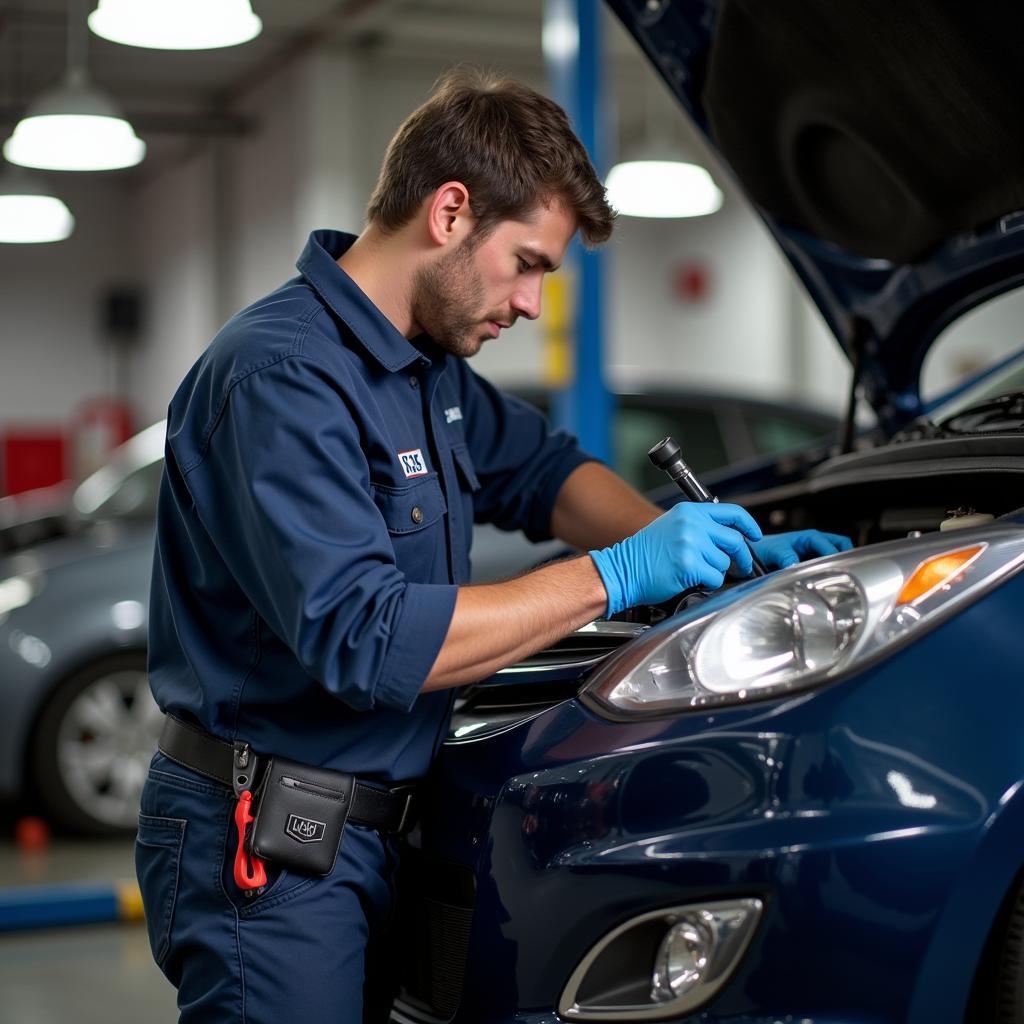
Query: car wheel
(92, 746)
(998, 995)
(1010, 968)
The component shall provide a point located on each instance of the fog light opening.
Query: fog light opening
(663, 963)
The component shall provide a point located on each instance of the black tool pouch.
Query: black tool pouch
(301, 816)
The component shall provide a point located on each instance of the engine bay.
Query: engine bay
(925, 480)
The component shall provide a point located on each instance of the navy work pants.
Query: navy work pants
(303, 949)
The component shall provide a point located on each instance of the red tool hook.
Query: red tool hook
(250, 872)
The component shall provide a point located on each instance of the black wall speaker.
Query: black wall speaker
(123, 309)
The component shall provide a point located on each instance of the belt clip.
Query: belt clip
(406, 813)
(243, 768)
(249, 871)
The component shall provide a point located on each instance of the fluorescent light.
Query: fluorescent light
(34, 219)
(662, 188)
(74, 142)
(74, 128)
(29, 214)
(176, 24)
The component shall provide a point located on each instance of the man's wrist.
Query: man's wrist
(604, 566)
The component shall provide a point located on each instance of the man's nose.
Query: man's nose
(526, 300)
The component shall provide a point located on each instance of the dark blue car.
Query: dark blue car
(799, 799)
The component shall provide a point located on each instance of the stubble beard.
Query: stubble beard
(447, 295)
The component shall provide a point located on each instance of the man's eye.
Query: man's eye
(524, 267)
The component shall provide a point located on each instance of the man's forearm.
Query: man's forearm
(595, 508)
(497, 624)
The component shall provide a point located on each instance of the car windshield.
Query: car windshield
(1006, 381)
(127, 486)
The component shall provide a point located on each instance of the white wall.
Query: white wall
(53, 349)
(227, 226)
(740, 323)
(174, 245)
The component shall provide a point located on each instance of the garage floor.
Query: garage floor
(95, 974)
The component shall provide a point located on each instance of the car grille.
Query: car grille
(449, 941)
(531, 686)
(583, 648)
(436, 915)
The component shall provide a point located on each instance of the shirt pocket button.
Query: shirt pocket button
(417, 514)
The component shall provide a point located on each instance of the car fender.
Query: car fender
(987, 878)
(88, 610)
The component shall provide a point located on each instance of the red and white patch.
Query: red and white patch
(413, 463)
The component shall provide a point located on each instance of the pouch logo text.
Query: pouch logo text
(305, 830)
(413, 463)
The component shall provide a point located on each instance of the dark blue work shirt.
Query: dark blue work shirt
(322, 478)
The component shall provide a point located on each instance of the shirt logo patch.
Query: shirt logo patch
(413, 463)
(452, 414)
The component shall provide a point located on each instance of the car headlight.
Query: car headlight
(806, 626)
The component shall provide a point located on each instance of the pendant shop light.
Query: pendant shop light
(657, 182)
(662, 188)
(74, 127)
(28, 213)
(176, 24)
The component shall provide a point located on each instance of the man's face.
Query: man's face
(468, 295)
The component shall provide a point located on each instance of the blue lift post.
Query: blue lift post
(572, 55)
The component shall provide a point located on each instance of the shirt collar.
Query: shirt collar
(350, 304)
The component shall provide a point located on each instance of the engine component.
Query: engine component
(962, 517)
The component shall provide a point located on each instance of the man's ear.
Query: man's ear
(449, 218)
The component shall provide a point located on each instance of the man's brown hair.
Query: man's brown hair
(510, 146)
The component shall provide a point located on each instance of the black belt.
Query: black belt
(386, 809)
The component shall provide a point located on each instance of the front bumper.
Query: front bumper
(861, 814)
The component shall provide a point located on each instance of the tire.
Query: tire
(998, 995)
(92, 746)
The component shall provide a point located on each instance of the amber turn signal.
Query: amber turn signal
(936, 572)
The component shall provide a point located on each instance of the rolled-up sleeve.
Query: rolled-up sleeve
(520, 461)
(283, 490)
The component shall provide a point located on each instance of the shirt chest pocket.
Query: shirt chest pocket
(465, 467)
(411, 508)
(414, 514)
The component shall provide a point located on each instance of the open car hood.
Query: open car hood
(881, 143)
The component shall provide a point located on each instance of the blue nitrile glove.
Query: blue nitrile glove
(778, 550)
(691, 545)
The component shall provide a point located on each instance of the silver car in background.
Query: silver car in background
(77, 722)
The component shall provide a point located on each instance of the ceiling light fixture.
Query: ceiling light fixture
(655, 179)
(662, 188)
(29, 214)
(176, 24)
(74, 127)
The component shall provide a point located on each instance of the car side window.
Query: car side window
(772, 432)
(638, 429)
(135, 497)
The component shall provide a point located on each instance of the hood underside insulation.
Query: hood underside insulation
(883, 127)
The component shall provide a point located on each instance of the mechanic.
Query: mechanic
(325, 461)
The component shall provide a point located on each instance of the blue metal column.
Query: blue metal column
(572, 52)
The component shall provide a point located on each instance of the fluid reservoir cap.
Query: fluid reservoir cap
(961, 518)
